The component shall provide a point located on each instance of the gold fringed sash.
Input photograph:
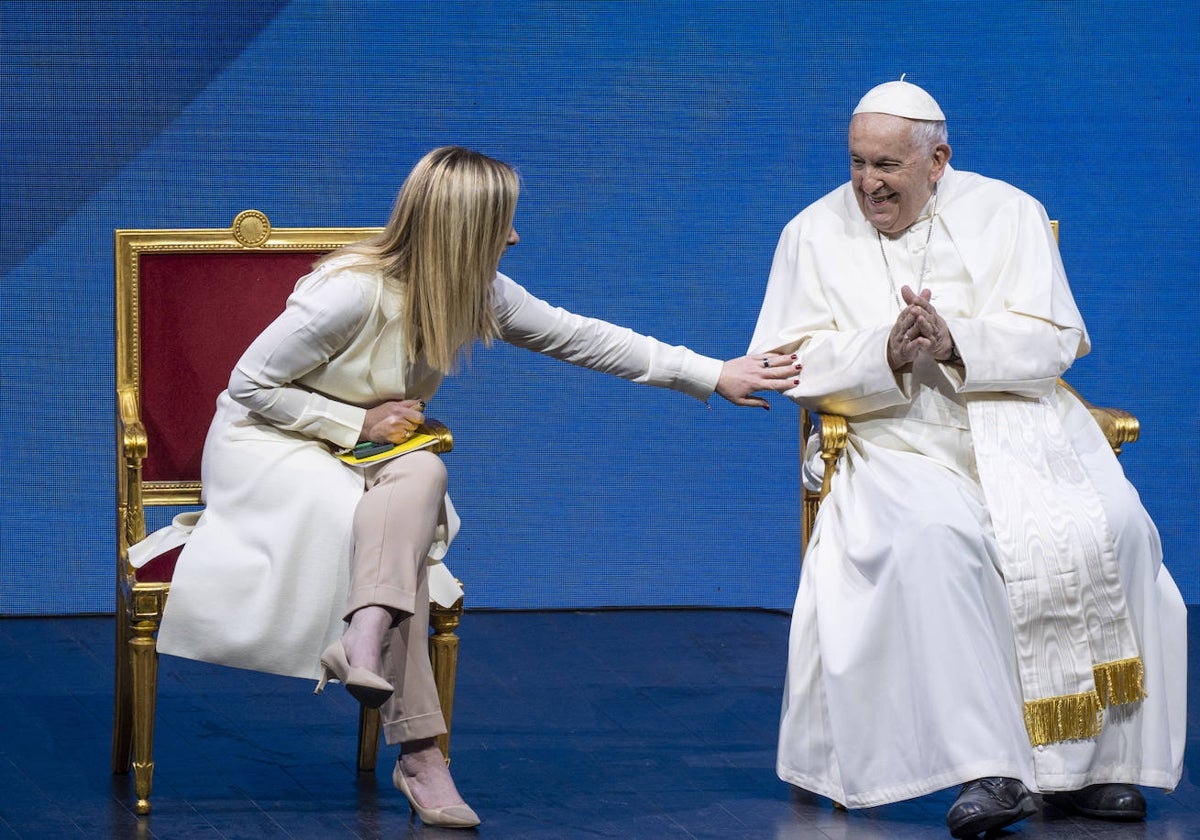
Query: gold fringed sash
(1120, 682)
(1065, 718)
(1076, 716)
(1075, 646)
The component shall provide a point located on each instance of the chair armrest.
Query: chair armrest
(132, 525)
(1119, 426)
(445, 439)
(834, 436)
(133, 433)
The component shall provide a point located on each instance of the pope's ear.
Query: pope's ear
(941, 156)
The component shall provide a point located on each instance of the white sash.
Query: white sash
(1076, 649)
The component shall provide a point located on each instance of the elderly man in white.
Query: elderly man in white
(983, 601)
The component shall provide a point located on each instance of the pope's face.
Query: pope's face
(892, 176)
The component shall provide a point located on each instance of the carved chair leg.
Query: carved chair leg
(122, 733)
(369, 725)
(443, 655)
(143, 656)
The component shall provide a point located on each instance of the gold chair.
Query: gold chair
(188, 303)
(1119, 427)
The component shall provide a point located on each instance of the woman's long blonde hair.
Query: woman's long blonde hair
(441, 248)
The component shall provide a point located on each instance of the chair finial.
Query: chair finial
(251, 228)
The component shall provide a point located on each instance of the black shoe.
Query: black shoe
(989, 804)
(1102, 802)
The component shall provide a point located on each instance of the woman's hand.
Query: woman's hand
(761, 372)
(393, 421)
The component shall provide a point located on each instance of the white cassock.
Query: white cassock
(904, 674)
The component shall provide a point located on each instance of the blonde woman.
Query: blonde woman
(294, 545)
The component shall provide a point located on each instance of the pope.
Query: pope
(983, 601)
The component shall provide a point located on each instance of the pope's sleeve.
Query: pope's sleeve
(845, 371)
(1032, 330)
(1012, 353)
(529, 322)
(321, 317)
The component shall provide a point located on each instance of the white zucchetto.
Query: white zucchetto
(900, 99)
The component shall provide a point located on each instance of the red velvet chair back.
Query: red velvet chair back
(189, 302)
(199, 313)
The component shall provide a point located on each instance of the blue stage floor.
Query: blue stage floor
(611, 724)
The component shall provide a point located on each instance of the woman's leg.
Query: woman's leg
(413, 712)
(394, 526)
(388, 611)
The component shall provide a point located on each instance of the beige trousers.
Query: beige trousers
(394, 527)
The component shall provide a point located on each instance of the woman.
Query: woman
(293, 542)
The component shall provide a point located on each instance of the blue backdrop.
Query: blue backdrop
(663, 145)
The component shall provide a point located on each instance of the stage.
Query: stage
(599, 724)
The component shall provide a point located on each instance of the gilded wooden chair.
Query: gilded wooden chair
(188, 303)
(1119, 427)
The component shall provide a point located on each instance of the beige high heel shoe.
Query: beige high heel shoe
(365, 686)
(448, 816)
